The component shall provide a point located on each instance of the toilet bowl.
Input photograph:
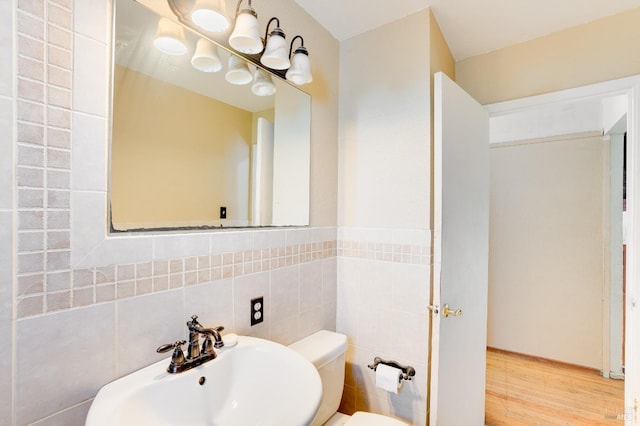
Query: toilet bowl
(326, 350)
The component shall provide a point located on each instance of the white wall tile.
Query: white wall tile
(63, 359)
(91, 19)
(381, 306)
(286, 331)
(90, 76)
(310, 286)
(231, 241)
(212, 302)
(297, 236)
(311, 321)
(374, 330)
(88, 223)
(6, 384)
(180, 245)
(285, 294)
(6, 53)
(75, 415)
(411, 287)
(268, 239)
(89, 160)
(329, 315)
(6, 265)
(145, 323)
(329, 280)
(375, 288)
(6, 148)
(118, 250)
(410, 339)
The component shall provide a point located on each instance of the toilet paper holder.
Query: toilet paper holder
(407, 371)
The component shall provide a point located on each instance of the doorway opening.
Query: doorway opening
(557, 257)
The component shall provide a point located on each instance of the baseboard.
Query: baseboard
(547, 361)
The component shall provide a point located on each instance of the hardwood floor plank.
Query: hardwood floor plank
(523, 390)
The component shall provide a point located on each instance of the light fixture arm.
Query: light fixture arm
(238, 6)
(266, 33)
(294, 39)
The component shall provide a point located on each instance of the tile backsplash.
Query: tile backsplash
(44, 57)
(71, 288)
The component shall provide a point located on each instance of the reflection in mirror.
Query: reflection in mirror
(187, 145)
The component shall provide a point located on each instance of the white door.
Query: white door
(461, 235)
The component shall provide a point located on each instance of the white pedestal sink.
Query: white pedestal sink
(256, 382)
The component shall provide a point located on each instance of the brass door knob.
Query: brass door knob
(447, 312)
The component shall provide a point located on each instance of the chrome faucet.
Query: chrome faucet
(195, 355)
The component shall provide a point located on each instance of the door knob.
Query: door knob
(447, 311)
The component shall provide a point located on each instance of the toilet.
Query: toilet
(326, 350)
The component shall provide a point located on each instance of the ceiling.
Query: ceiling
(471, 27)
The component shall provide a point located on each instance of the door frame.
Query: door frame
(629, 86)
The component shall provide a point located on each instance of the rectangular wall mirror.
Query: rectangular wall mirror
(189, 150)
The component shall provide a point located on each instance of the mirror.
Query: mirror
(189, 150)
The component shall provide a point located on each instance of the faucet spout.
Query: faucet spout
(215, 333)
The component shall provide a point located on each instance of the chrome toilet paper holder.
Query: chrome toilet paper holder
(407, 371)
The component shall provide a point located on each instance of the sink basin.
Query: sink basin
(256, 382)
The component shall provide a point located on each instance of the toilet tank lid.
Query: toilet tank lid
(321, 347)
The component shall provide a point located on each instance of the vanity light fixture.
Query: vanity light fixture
(275, 53)
(210, 15)
(170, 38)
(300, 71)
(206, 57)
(269, 53)
(238, 72)
(262, 83)
(245, 37)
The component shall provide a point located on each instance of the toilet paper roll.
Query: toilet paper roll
(388, 378)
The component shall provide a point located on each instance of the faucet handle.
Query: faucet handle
(193, 325)
(177, 358)
(169, 346)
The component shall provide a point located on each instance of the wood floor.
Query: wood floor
(527, 391)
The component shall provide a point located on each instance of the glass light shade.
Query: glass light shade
(206, 57)
(300, 71)
(246, 34)
(276, 53)
(238, 72)
(210, 15)
(262, 84)
(170, 38)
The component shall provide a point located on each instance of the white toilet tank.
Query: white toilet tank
(326, 350)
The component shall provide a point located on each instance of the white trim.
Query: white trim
(604, 89)
(629, 86)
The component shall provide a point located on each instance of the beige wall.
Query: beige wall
(384, 130)
(176, 156)
(594, 52)
(440, 56)
(546, 262)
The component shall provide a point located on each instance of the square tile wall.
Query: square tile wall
(383, 293)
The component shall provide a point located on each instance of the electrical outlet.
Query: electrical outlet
(257, 310)
(223, 212)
